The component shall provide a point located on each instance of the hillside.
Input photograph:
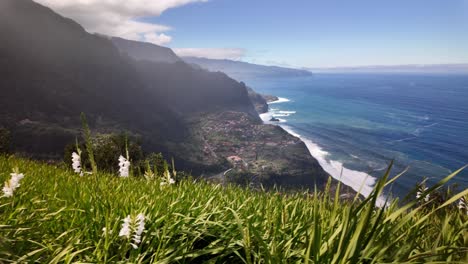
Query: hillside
(152, 59)
(52, 70)
(71, 71)
(242, 70)
(56, 216)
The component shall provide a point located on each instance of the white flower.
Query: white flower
(135, 226)
(421, 190)
(105, 232)
(140, 227)
(12, 184)
(7, 190)
(462, 205)
(167, 182)
(76, 163)
(125, 231)
(124, 165)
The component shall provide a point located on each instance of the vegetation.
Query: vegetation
(107, 148)
(5, 139)
(56, 215)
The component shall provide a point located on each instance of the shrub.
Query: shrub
(157, 163)
(5, 140)
(107, 148)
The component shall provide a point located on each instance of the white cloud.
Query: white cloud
(119, 17)
(212, 53)
(161, 39)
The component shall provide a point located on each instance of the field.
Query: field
(58, 216)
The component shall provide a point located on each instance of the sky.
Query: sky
(295, 33)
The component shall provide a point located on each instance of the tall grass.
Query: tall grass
(56, 216)
(89, 145)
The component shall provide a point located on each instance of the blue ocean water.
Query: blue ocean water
(362, 121)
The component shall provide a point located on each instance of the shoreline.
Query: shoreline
(359, 181)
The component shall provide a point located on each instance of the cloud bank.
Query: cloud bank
(119, 17)
(212, 53)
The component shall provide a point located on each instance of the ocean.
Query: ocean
(355, 124)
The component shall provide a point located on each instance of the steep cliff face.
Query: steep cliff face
(260, 101)
(145, 51)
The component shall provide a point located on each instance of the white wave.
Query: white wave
(266, 117)
(287, 112)
(276, 115)
(419, 130)
(431, 125)
(403, 139)
(357, 180)
(420, 117)
(280, 100)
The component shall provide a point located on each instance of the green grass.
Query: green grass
(57, 216)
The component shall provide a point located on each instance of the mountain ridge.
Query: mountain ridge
(242, 70)
(145, 51)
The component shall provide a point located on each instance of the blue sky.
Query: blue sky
(326, 33)
(300, 33)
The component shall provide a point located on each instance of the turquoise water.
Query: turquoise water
(362, 121)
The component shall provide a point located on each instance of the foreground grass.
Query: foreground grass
(58, 216)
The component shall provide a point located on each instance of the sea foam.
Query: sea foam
(280, 100)
(357, 180)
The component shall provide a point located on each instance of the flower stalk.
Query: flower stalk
(12, 184)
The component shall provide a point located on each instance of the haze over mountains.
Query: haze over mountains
(242, 70)
(413, 68)
(52, 70)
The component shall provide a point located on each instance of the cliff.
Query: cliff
(260, 101)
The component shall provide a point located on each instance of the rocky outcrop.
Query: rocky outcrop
(260, 101)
